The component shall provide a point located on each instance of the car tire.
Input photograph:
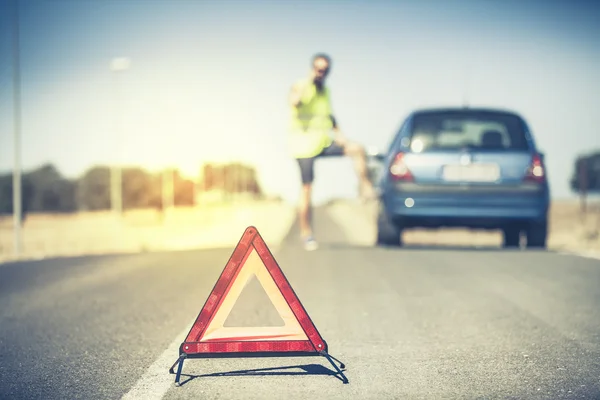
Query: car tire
(512, 237)
(388, 233)
(537, 235)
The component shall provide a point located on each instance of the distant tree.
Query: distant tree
(251, 182)
(60, 196)
(208, 177)
(93, 189)
(155, 195)
(51, 191)
(44, 189)
(184, 190)
(586, 176)
(138, 188)
(6, 195)
(231, 178)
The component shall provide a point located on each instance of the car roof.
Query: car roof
(493, 110)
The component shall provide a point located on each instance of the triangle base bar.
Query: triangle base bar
(238, 347)
(330, 358)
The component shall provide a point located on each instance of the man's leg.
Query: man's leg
(305, 207)
(306, 211)
(359, 157)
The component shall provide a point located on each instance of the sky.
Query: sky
(208, 80)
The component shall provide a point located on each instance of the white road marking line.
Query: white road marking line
(157, 380)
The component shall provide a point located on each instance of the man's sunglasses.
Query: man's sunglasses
(323, 71)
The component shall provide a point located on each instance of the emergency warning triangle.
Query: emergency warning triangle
(252, 257)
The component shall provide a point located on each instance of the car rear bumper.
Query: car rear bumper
(414, 205)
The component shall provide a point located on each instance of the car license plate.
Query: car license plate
(471, 173)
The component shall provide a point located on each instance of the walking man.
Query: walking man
(311, 127)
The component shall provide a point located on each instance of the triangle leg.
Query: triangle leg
(338, 369)
(172, 369)
(179, 364)
(342, 365)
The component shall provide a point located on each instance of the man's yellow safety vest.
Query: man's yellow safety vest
(311, 123)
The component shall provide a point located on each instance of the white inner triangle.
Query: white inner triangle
(254, 267)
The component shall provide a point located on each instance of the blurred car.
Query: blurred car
(463, 167)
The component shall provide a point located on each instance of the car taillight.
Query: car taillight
(399, 170)
(536, 171)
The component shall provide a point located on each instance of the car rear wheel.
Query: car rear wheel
(537, 234)
(512, 237)
(388, 233)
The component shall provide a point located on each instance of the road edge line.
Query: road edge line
(593, 255)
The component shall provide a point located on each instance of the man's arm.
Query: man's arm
(298, 90)
(296, 93)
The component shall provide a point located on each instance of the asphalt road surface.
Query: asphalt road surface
(418, 323)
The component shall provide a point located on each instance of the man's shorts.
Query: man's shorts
(307, 165)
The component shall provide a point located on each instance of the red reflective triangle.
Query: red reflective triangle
(252, 257)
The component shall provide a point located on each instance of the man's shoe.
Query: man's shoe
(310, 244)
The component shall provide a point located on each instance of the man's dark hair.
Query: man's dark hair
(319, 56)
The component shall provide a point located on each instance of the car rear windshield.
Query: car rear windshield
(467, 130)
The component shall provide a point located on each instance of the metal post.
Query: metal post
(116, 172)
(118, 65)
(583, 185)
(235, 180)
(168, 191)
(17, 195)
(174, 171)
(245, 181)
(196, 188)
(224, 181)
